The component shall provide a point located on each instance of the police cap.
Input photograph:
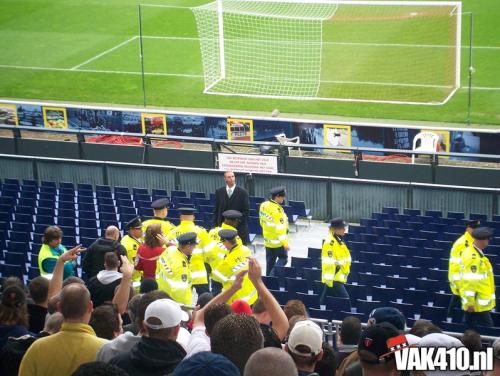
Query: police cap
(473, 224)
(134, 223)
(482, 233)
(187, 211)
(187, 238)
(232, 214)
(278, 191)
(160, 203)
(228, 234)
(338, 223)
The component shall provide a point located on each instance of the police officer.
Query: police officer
(274, 222)
(477, 286)
(235, 262)
(454, 273)
(173, 269)
(131, 242)
(205, 245)
(335, 261)
(160, 210)
(231, 221)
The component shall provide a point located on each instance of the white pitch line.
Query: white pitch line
(199, 76)
(104, 53)
(405, 45)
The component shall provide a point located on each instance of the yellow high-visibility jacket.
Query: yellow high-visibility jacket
(204, 247)
(477, 285)
(225, 273)
(166, 226)
(454, 265)
(218, 252)
(335, 260)
(274, 222)
(173, 275)
(131, 246)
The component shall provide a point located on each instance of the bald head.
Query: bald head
(75, 304)
(270, 361)
(53, 323)
(112, 232)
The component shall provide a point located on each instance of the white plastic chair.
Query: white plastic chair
(428, 142)
(283, 140)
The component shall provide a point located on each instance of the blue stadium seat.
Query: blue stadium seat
(396, 282)
(124, 202)
(25, 209)
(143, 204)
(66, 205)
(127, 210)
(66, 185)
(140, 191)
(83, 206)
(40, 227)
(272, 283)
(30, 182)
(15, 258)
(45, 211)
(84, 186)
(51, 190)
(300, 208)
(9, 270)
(87, 223)
(102, 188)
(314, 253)
(5, 217)
(18, 247)
(105, 201)
(391, 224)
(17, 236)
(50, 184)
(67, 192)
(70, 212)
(424, 219)
(281, 296)
(438, 227)
(381, 216)
(309, 300)
(383, 294)
(411, 212)
(69, 241)
(417, 226)
(441, 299)
(28, 191)
(104, 195)
(337, 304)
(88, 232)
(285, 272)
(86, 242)
(66, 221)
(178, 193)
(22, 227)
(13, 193)
(311, 275)
(11, 181)
(455, 215)
(301, 262)
(370, 279)
(104, 216)
(390, 210)
(290, 212)
(407, 309)
(254, 226)
(33, 272)
(37, 238)
(433, 313)
(321, 314)
(146, 212)
(394, 240)
(382, 269)
(255, 201)
(26, 202)
(365, 306)
(434, 213)
(65, 198)
(294, 285)
(85, 192)
(410, 272)
(407, 250)
(417, 296)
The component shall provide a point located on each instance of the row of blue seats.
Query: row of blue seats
(412, 212)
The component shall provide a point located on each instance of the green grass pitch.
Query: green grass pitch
(88, 51)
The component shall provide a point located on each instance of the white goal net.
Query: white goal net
(380, 51)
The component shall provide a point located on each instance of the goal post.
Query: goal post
(371, 51)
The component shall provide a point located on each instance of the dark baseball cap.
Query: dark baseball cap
(379, 342)
(388, 314)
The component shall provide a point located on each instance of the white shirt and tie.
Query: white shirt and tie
(230, 190)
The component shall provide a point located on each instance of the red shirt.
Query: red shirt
(147, 260)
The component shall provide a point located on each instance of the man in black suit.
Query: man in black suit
(232, 197)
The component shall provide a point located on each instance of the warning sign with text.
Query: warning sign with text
(264, 164)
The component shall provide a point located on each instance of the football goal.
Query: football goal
(373, 51)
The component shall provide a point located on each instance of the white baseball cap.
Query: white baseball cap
(168, 312)
(306, 333)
